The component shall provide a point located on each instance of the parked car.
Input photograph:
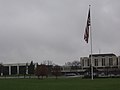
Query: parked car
(70, 74)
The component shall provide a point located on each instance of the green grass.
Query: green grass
(60, 84)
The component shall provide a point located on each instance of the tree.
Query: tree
(49, 65)
(31, 69)
(88, 72)
(26, 68)
(47, 62)
(22, 70)
(68, 64)
(5, 70)
(56, 71)
(41, 70)
(75, 65)
(1, 69)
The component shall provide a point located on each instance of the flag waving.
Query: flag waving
(86, 34)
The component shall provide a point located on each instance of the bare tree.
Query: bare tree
(75, 65)
(47, 62)
(41, 70)
(56, 71)
(68, 64)
(49, 65)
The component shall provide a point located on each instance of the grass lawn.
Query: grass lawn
(60, 84)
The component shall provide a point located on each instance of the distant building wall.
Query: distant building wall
(101, 60)
(103, 64)
(16, 69)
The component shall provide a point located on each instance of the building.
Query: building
(15, 69)
(105, 64)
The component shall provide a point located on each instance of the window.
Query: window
(117, 62)
(83, 62)
(103, 61)
(88, 63)
(110, 61)
(96, 62)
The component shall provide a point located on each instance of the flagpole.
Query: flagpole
(88, 30)
(91, 48)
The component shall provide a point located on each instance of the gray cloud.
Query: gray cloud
(53, 29)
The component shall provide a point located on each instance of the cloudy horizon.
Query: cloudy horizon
(39, 30)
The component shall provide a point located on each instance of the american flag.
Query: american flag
(86, 34)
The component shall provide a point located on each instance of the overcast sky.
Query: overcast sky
(53, 30)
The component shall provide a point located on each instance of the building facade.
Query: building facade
(15, 69)
(103, 63)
